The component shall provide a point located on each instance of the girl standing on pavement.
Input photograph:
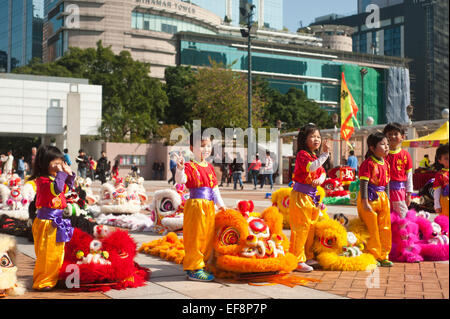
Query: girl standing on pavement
(303, 201)
(199, 210)
(373, 198)
(50, 231)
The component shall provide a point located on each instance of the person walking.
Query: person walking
(268, 170)
(8, 161)
(352, 161)
(102, 166)
(67, 157)
(173, 169)
(161, 169)
(83, 162)
(254, 168)
(21, 167)
(237, 169)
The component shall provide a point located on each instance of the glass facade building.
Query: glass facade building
(318, 77)
(21, 23)
(417, 30)
(268, 13)
(151, 22)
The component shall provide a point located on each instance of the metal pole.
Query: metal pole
(362, 99)
(249, 93)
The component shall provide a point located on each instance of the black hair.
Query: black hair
(44, 155)
(81, 150)
(352, 152)
(65, 150)
(373, 140)
(197, 133)
(441, 150)
(394, 126)
(303, 135)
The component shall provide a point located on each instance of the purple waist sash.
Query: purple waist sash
(445, 191)
(308, 190)
(396, 185)
(64, 229)
(372, 191)
(201, 193)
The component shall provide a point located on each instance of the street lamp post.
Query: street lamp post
(246, 33)
(363, 72)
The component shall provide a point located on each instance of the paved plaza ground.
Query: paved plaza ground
(425, 280)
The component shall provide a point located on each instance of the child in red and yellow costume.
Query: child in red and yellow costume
(373, 200)
(53, 179)
(400, 164)
(304, 200)
(199, 209)
(440, 184)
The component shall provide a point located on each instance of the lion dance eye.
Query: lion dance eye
(5, 261)
(166, 205)
(327, 242)
(229, 236)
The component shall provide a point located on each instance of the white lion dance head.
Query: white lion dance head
(8, 268)
(116, 198)
(166, 209)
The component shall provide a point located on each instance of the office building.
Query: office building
(21, 23)
(417, 30)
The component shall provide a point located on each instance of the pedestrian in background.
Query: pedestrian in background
(352, 161)
(237, 169)
(21, 167)
(268, 171)
(83, 162)
(161, 169)
(67, 157)
(102, 167)
(254, 168)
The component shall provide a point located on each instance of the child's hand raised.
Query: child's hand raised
(325, 146)
(179, 160)
(66, 169)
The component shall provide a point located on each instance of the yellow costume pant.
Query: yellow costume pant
(198, 232)
(444, 205)
(49, 254)
(378, 224)
(303, 214)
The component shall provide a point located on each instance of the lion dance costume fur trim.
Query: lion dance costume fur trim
(104, 261)
(337, 249)
(280, 199)
(8, 268)
(247, 245)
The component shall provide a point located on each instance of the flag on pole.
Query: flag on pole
(349, 109)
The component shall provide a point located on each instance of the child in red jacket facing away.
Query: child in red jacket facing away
(50, 231)
(400, 164)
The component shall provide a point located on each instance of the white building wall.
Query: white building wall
(40, 107)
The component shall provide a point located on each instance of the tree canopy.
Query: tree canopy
(133, 102)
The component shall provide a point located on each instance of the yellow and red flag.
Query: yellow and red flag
(349, 109)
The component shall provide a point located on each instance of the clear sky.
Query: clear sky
(307, 10)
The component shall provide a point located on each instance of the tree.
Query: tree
(293, 108)
(221, 98)
(179, 81)
(133, 102)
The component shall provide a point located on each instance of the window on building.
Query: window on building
(363, 43)
(167, 28)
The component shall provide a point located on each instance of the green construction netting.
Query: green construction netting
(374, 101)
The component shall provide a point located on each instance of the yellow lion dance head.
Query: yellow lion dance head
(337, 249)
(280, 199)
(244, 242)
(250, 242)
